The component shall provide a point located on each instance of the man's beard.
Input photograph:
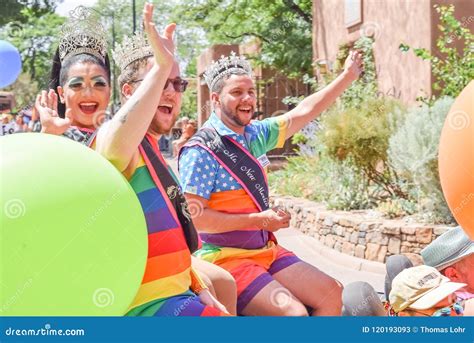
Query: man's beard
(158, 127)
(232, 115)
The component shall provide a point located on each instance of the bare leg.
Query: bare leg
(221, 283)
(312, 287)
(274, 300)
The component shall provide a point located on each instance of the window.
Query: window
(352, 12)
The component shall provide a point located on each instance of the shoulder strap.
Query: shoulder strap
(173, 196)
(237, 161)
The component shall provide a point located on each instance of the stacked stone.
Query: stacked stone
(363, 234)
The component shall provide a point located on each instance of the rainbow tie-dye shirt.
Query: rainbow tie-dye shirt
(202, 175)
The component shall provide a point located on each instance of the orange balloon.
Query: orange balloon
(456, 159)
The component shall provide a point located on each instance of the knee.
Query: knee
(330, 295)
(207, 281)
(335, 289)
(287, 304)
(294, 309)
(225, 281)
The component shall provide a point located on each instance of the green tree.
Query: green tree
(12, 11)
(453, 69)
(36, 39)
(25, 90)
(282, 27)
(117, 18)
(189, 103)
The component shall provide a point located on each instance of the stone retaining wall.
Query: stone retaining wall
(364, 234)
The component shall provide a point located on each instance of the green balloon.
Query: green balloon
(73, 234)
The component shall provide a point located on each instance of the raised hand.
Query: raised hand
(46, 104)
(162, 45)
(353, 66)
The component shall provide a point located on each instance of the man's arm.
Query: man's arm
(119, 139)
(212, 221)
(312, 106)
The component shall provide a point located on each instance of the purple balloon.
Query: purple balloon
(10, 63)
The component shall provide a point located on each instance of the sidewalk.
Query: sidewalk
(340, 266)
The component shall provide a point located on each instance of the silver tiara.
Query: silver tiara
(225, 66)
(132, 48)
(82, 33)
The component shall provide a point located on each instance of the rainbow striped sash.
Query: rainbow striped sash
(170, 237)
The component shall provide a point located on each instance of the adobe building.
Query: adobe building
(390, 22)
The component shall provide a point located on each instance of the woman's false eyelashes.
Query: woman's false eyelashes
(78, 82)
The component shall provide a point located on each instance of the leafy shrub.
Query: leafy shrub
(322, 179)
(413, 152)
(397, 207)
(306, 139)
(295, 179)
(368, 152)
(366, 86)
(341, 186)
(362, 134)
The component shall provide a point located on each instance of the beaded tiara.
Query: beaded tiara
(82, 33)
(225, 66)
(132, 48)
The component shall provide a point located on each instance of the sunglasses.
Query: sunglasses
(179, 85)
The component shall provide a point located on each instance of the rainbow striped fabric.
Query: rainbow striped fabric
(165, 288)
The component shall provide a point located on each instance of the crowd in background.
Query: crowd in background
(27, 120)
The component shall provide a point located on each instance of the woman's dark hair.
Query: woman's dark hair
(59, 72)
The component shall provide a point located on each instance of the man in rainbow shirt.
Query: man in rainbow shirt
(224, 179)
(151, 91)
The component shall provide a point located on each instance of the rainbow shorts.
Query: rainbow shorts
(252, 269)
